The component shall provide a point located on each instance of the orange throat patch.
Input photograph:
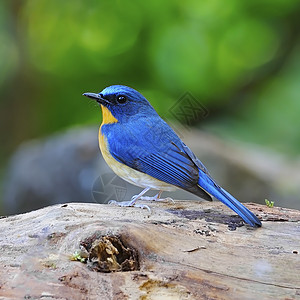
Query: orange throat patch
(108, 118)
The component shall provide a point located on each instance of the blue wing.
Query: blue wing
(155, 150)
(152, 147)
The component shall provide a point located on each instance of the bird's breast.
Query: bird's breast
(129, 174)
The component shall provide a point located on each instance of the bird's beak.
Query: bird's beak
(96, 97)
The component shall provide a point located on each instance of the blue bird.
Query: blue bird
(143, 149)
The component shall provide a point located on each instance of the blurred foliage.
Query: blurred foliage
(238, 58)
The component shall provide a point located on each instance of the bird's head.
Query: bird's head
(122, 102)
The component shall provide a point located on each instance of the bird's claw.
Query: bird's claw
(155, 198)
(143, 206)
(168, 199)
(129, 204)
(121, 203)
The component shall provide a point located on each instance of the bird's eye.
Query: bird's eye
(121, 99)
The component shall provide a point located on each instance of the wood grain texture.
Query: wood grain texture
(186, 250)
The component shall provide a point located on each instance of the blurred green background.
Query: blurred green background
(240, 59)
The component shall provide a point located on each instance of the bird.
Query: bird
(141, 148)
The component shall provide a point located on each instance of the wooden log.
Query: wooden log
(182, 250)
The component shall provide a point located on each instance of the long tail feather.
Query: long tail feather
(212, 188)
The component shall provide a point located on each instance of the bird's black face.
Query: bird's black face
(122, 101)
(111, 99)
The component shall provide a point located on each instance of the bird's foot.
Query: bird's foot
(129, 204)
(140, 196)
(155, 198)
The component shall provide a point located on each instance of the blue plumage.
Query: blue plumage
(141, 140)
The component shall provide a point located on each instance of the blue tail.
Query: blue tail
(212, 188)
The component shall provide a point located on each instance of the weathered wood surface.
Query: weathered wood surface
(186, 251)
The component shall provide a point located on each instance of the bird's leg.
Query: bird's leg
(139, 196)
(133, 200)
(156, 198)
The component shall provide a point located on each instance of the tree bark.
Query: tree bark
(182, 250)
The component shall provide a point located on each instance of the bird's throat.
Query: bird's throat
(108, 118)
